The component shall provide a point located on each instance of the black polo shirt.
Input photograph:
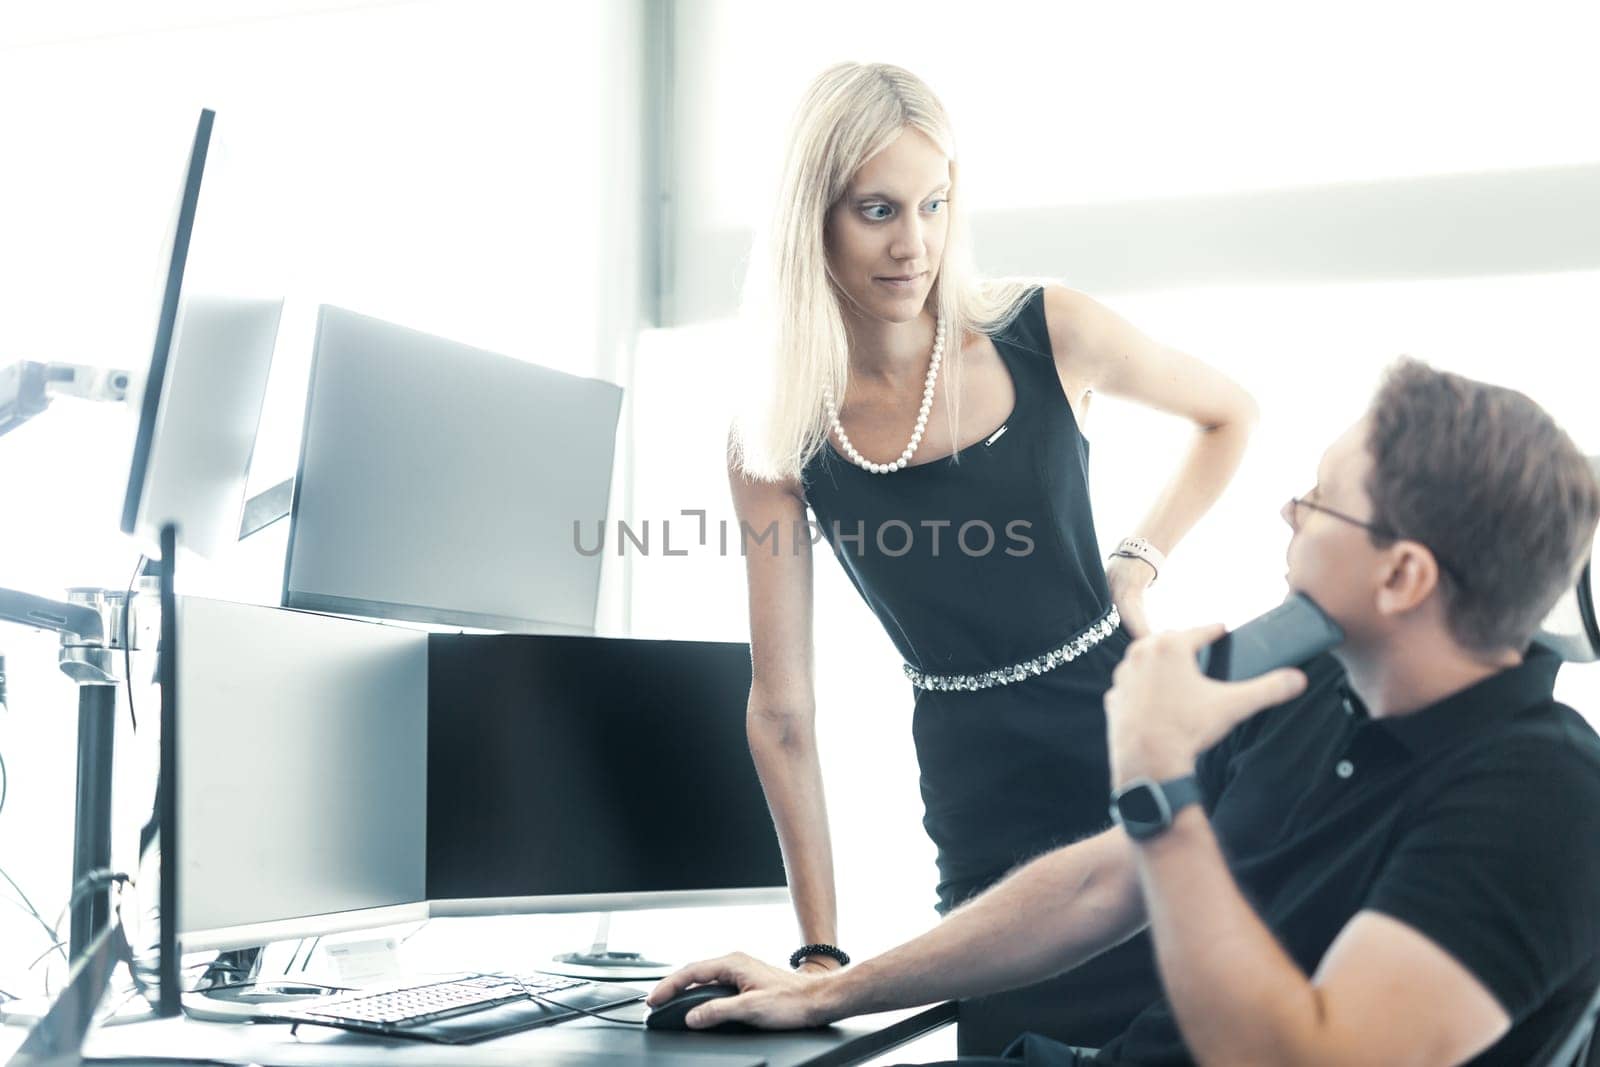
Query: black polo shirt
(1476, 821)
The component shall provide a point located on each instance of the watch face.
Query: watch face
(1139, 805)
(1142, 809)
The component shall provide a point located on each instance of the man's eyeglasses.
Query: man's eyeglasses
(1296, 503)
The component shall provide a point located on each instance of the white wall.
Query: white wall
(1065, 107)
(1078, 102)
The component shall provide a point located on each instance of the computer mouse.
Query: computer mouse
(670, 1016)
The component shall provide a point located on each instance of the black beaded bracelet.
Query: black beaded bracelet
(831, 951)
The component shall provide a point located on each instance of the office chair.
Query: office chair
(1572, 628)
(1580, 643)
(1580, 1048)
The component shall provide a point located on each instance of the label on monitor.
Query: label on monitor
(363, 961)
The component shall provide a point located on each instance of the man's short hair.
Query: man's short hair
(1495, 489)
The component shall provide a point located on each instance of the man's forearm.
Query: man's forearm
(1046, 917)
(1238, 997)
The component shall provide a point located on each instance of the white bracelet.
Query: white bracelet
(1139, 548)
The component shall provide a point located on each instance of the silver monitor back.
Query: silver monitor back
(441, 483)
(204, 423)
(303, 760)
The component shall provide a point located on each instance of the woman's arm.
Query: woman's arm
(781, 716)
(1096, 350)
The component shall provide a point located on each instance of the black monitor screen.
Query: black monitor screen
(585, 765)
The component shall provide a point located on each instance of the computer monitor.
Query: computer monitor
(340, 773)
(302, 755)
(592, 774)
(202, 394)
(443, 484)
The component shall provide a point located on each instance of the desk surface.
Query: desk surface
(583, 1041)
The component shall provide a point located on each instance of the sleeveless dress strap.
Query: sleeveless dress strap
(1029, 331)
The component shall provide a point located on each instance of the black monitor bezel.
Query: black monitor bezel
(166, 324)
(167, 1000)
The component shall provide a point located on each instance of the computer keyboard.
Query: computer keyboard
(437, 1000)
(460, 1009)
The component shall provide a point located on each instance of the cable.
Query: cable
(41, 956)
(127, 639)
(48, 929)
(15, 903)
(227, 969)
(525, 991)
(543, 999)
(298, 945)
(219, 975)
(214, 965)
(307, 961)
(152, 996)
(103, 1013)
(5, 785)
(94, 881)
(25, 904)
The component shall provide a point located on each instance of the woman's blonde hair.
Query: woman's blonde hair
(851, 112)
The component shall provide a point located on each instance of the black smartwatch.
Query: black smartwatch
(1145, 808)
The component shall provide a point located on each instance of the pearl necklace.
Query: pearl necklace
(922, 416)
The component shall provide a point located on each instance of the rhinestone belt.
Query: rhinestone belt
(1090, 636)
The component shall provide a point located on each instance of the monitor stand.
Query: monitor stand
(603, 964)
(232, 989)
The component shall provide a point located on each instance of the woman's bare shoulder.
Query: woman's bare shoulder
(749, 488)
(1068, 315)
(750, 491)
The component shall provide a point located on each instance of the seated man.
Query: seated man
(1396, 854)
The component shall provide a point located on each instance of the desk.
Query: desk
(507, 943)
(568, 1044)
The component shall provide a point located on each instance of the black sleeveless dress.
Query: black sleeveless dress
(984, 560)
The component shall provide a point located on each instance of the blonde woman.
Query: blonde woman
(932, 421)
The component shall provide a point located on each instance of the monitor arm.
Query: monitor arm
(27, 387)
(94, 625)
(98, 628)
(72, 621)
